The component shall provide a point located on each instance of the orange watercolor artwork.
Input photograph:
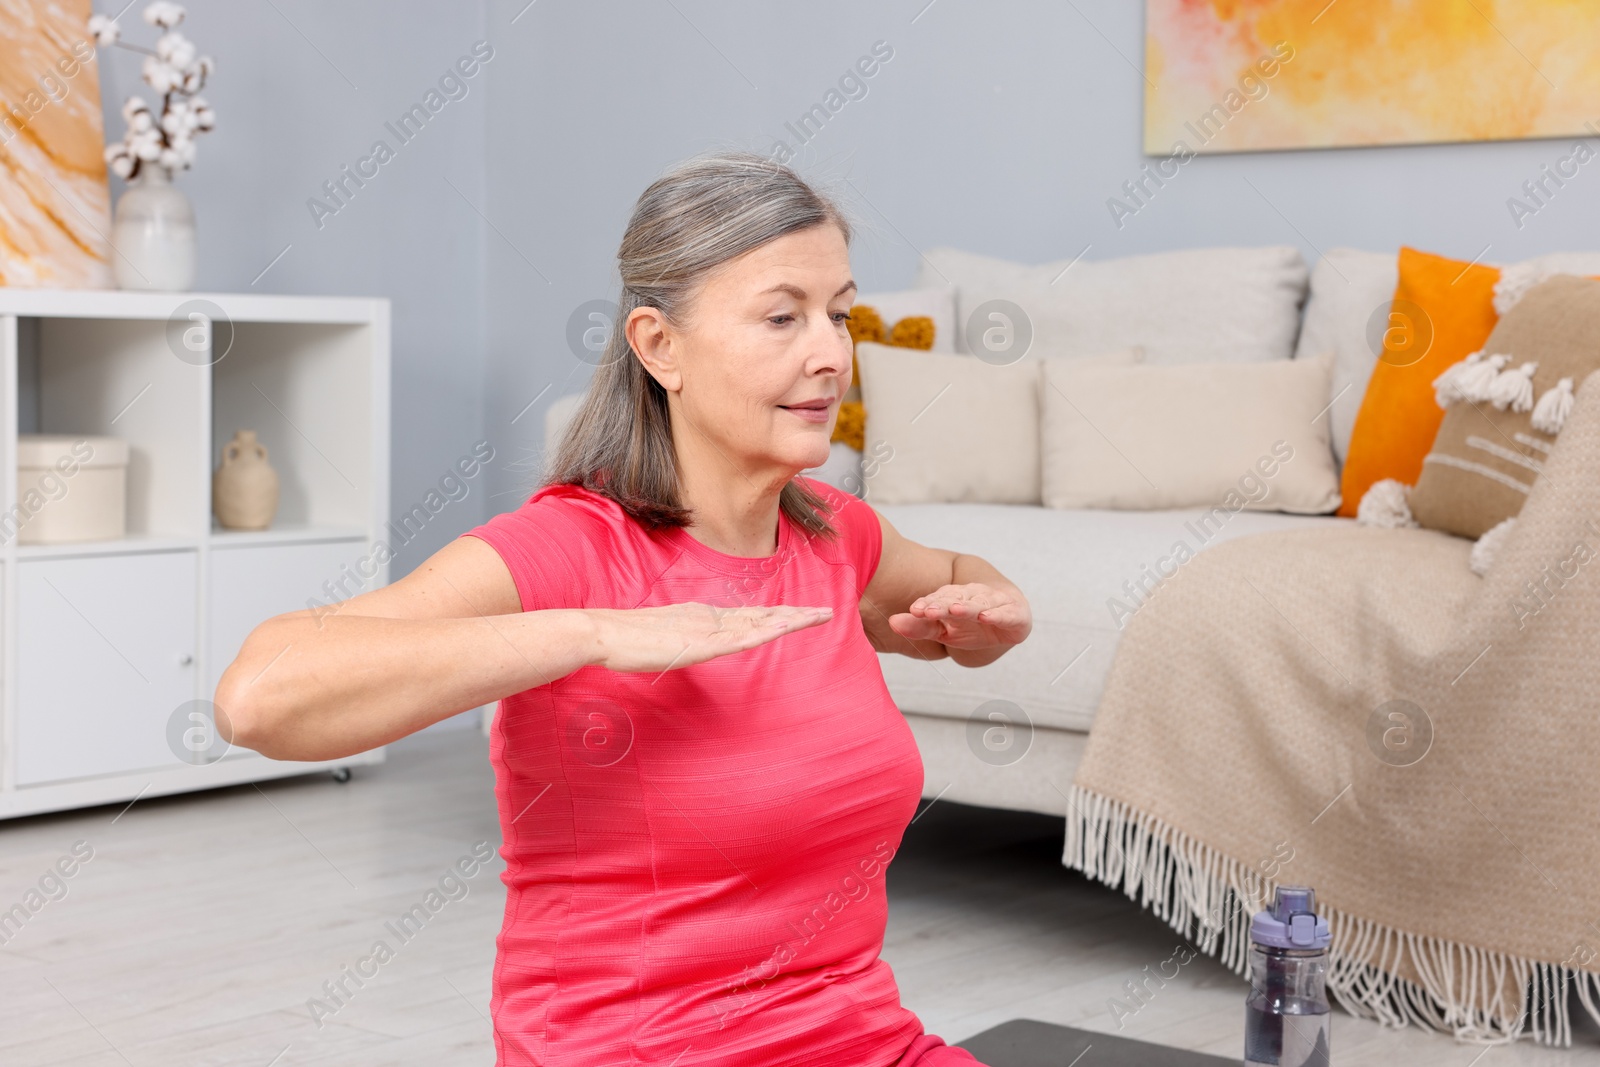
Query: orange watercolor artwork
(1247, 75)
(55, 204)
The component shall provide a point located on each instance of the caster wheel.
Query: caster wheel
(341, 774)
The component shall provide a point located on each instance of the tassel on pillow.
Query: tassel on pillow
(1487, 547)
(1386, 505)
(1553, 408)
(1474, 382)
(1447, 386)
(1513, 389)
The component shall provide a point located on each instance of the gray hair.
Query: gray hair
(688, 223)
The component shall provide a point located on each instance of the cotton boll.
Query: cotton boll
(119, 159)
(159, 75)
(178, 120)
(134, 105)
(175, 49)
(163, 14)
(106, 32)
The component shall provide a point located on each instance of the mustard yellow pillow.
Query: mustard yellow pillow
(913, 331)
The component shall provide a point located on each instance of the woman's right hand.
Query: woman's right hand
(677, 635)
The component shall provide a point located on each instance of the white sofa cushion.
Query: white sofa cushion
(1204, 305)
(1350, 291)
(1236, 434)
(953, 428)
(1072, 566)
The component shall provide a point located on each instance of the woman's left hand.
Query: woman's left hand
(971, 616)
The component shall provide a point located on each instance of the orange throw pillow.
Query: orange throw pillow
(1445, 308)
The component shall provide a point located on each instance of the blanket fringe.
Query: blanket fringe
(1209, 898)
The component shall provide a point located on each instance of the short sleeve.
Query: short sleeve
(540, 543)
(860, 535)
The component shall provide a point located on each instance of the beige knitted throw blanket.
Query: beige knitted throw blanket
(1353, 709)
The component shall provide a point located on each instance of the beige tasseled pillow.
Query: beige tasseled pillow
(1504, 407)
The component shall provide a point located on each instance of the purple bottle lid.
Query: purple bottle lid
(1292, 921)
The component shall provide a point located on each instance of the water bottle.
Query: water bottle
(1286, 1015)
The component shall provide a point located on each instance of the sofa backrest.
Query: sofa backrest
(1195, 306)
(1202, 305)
(1347, 312)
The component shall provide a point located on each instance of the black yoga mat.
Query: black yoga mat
(1030, 1043)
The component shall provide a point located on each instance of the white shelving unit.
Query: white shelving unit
(104, 645)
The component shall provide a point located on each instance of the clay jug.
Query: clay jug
(244, 488)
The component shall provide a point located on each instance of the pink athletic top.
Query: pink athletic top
(695, 858)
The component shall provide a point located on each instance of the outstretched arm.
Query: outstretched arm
(930, 603)
(321, 684)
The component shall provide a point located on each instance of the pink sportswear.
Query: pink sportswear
(695, 858)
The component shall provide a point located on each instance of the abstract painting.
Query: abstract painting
(1242, 75)
(55, 205)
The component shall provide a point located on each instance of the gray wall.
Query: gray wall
(1001, 127)
(301, 89)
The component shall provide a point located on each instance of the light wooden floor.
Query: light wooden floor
(203, 924)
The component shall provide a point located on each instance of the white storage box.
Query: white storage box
(71, 487)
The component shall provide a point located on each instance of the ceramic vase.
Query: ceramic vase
(153, 234)
(244, 487)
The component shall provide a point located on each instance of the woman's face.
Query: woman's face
(766, 333)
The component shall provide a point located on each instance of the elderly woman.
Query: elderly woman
(701, 775)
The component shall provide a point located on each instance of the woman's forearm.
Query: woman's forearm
(965, 569)
(310, 688)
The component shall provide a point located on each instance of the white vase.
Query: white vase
(153, 234)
